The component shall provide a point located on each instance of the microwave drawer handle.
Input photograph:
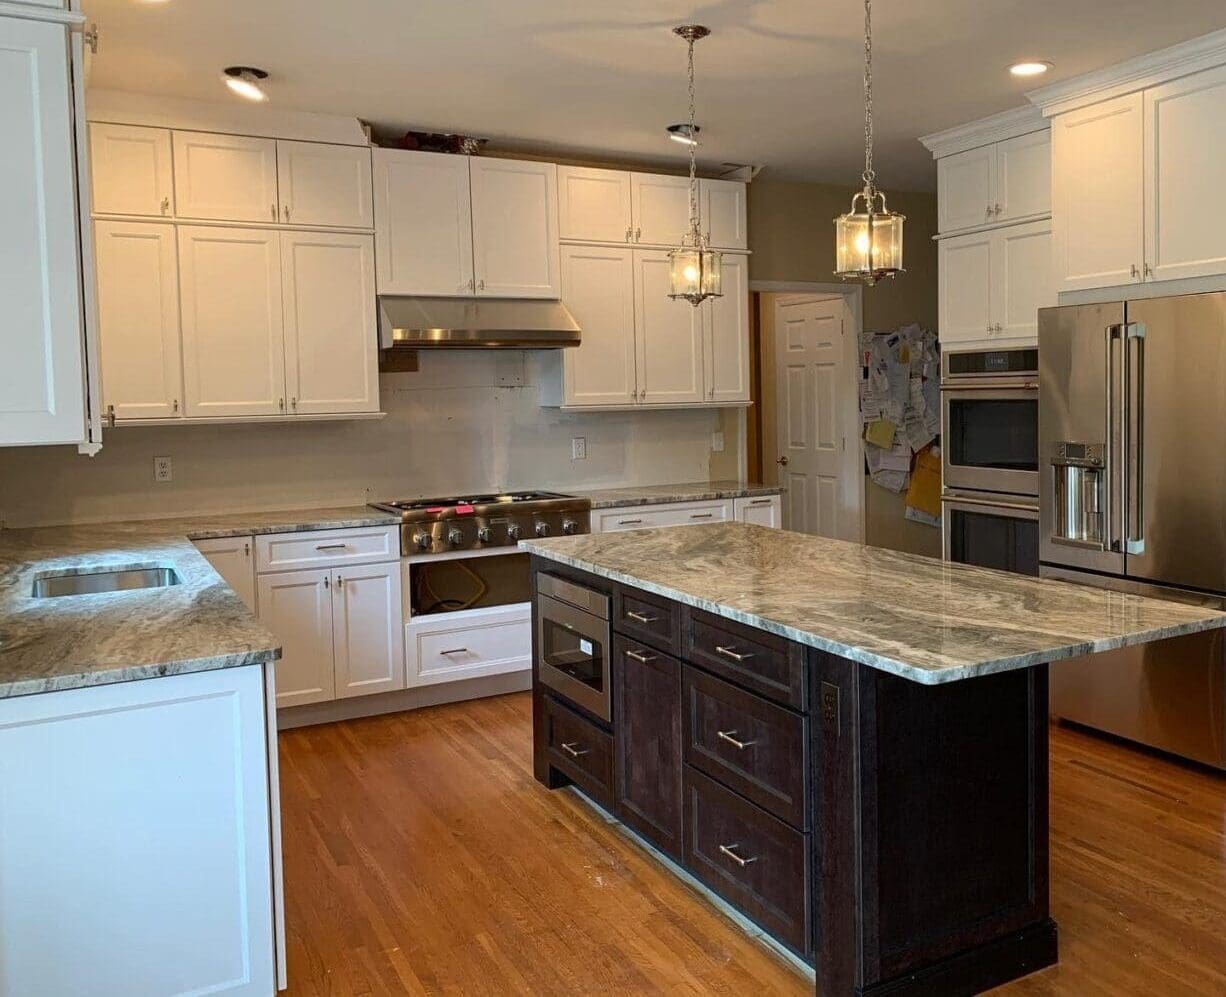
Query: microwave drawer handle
(732, 653)
(640, 657)
(572, 748)
(730, 851)
(641, 617)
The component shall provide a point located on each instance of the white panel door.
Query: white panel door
(229, 178)
(598, 288)
(1185, 148)
(766, 510)
(42, 388)
(234, 559)
(724, 217)
(965, 288)
(136, 823)
(131, 170)
(325, 185)
(966, 194)
(1022, 280)
(1098, 194)
(1023, 177)
(594, 205)
(661, 207)
(668, 336)
(366, 629)
(331, 330)
(233, 332)
(138, 319)
(296, 607)
(423, 223)
(726, 345)
(515, 228)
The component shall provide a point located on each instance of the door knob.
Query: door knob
(781, 461)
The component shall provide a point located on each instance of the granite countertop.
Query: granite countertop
(84, 640)
(692, 491)
(920, 618)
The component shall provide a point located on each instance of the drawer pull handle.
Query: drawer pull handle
(573, 749)
(730, 737)
(455, 650)
(641, 617)
(728, 652)
(628, 522)
(730, 851)
(640, 656)
(764, 501)
(331, 546)
(702, 515)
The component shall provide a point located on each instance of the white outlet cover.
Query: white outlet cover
(163, 469)
(578, 448)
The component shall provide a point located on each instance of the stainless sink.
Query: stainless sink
(104, 580)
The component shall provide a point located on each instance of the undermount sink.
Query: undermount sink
(104, 580)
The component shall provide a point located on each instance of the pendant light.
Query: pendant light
(868, 242)
(694, 269)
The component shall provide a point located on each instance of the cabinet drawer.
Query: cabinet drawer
(645, 517)
(751, 859)
(647, 617)
(759, 661)
(748, 744)
(448, 647)
(580, 750)
(326, 548)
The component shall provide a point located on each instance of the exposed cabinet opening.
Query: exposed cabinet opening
(454, 586)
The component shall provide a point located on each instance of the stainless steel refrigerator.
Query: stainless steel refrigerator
(1132, 496)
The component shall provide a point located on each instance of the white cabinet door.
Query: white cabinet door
(131, 170)
(661, 207)
(331, 331)
(225, 177)
(966, 194)
(1185, 148)
(726, 344)
(42, 388)
(765, 510)
(296, 607)
(1022, 281)
(233, 333)
(366, 629)
(646, 517)
(724, 216)
(515, 228)
(594, 205)
(233, 558)
(1097, 194)
(965, 285)
(423, 223)
(668, 336)
(598, 288)
(1023, 177)
(138, 318)
(325, 185)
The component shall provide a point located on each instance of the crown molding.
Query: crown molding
(984, 131)
(1205, 52)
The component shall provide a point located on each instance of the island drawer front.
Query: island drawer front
(761, 662)
(648, 618)
(771, 769)
(753, 860)
(580, 750)
(326, 548)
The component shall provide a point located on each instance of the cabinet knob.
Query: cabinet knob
(638, 234)
(996, 210)
(175, 406)
(286, 209)
(630, 235)
(1149, 271)
(281, 404)
(1133, 272)
(165, 205)
(782, 461)
(293, 403)
(273, 211)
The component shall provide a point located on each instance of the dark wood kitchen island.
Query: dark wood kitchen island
(847, 744)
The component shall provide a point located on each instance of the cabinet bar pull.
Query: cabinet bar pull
(728, 735)
(331, 546)
(165, 205)
(287, 212)
(640, 656)
(327, 582)
(340, 582)
(573, 749)
(628, 522)
(455, 650)
(246, 550)
(730, 851)
(273, 210)
(764, 501)
(728, 652)
(702, 515)
(641, 617)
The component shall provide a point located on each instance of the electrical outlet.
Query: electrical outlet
(162, 471)
(578, 448)
(717, 442)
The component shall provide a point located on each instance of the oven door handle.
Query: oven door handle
(981, 503)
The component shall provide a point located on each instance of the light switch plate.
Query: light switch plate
(162, 470)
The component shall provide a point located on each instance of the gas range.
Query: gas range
(482, 522)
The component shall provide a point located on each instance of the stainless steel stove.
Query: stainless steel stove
(480, 522)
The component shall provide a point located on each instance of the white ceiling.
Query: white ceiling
(778, 81)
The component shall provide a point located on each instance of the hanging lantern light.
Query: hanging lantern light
(868, 241)
(694, 268)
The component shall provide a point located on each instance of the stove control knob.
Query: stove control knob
(422, 541)
(514, 531)
(455, 536)
(569, 526)
(485, 534)
(542, 529)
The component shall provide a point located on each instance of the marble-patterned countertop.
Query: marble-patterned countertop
(691, 491)
(920, 618)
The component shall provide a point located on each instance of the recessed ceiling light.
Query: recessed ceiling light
(245, 81)
(1031, 67)
(682, 134)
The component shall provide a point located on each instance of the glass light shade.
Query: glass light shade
(868, 243)
(694, 274)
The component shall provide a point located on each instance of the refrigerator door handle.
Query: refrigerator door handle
(1134, 527)
(1113, 501)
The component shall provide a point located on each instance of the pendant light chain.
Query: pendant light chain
(695, 218)
(869, 174)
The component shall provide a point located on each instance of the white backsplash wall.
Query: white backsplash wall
(451, 427)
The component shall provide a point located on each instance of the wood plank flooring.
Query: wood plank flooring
(421, 858)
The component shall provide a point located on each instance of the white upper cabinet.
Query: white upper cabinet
(1023, 177)
(1185, 149)
(367, 637)
(598, 288)
(965, 189)
(515, 228)
(668, 336)
(423, 223)
(1098, 194)
(1022, 279)
(328, 186)
(233, 332)
(726, 324)
(225, 177)
(331, 334)
(42, 366)
(661, 208)
(138, 309)
(965, 269)
(132, 172)
(594, 205)
(724, 213)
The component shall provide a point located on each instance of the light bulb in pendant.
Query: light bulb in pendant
(862, 243)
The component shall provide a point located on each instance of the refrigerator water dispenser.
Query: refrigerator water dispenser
(1079, 476)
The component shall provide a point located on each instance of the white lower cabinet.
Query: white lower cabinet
(234, 559)
(296, 606)
(366, 636)
(643, 517)
(764, 510)
(473, 643)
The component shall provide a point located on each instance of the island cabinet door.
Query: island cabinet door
(647, 743)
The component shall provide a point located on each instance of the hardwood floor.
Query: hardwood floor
(421, 858)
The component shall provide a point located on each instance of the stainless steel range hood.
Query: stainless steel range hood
(475, 324)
